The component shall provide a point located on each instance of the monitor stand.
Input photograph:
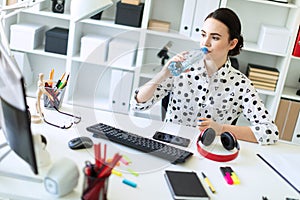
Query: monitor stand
(42, 157)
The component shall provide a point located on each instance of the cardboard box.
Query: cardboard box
(286, 118)
(158, 25)
(129, 15)
(26, 36)
(11, 2)
(122, 52)
(57, 40)
(274, 39)
(132, 2)
(94, 48)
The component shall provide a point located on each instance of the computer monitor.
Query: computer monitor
(15, 117)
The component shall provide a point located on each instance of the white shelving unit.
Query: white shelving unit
(89, 83)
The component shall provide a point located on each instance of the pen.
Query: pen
(61, 86)
(211, 187)
(51, 77)
(59, 80)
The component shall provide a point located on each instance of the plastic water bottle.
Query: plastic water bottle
(176, 68)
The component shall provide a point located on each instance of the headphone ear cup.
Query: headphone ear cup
(208, 136)
(228, 141)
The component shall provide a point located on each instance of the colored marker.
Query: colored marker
(132, 172)
(233, 175)
(211, 187)
(124, 161)
(226, 175)
(61, 86)
(59, 80)
(130, 183)
(51, 77)
(117, 173)
(126, 158)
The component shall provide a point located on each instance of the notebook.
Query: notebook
(185, 185)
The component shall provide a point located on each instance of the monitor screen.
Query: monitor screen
(15, 117)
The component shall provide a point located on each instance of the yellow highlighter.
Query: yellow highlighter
(234, 177)
(211, 187)
(117, 173)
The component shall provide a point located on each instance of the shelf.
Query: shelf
(171, 34)
(253, 47)
(274, 3)
(48, 13)
(78, 59)
(108, 23)
(41, 51)
(266, 92)
(290, 93)
(296, 58)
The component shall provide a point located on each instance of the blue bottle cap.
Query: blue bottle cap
(204, 50)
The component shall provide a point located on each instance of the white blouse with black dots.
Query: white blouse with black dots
(223, 97)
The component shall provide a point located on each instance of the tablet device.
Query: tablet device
(185, 185)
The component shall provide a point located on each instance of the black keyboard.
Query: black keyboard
(153, 147)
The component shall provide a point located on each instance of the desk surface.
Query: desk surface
(257, 179)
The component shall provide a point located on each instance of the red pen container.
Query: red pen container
(94, 188)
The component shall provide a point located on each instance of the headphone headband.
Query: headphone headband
(217, 157)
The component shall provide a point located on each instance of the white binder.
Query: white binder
(24, 66)
(187, 17)
(120, 90)
(125, 92)
(114, 90)
(203, 8)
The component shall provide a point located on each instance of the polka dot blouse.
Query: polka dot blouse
(224, 96)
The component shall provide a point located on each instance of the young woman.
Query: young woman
(212, 93)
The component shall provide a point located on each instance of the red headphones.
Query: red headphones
(228, 140)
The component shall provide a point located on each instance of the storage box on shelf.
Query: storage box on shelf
(286, 118)
(133, 2)
(274, 39)
(94, 48)
(122, 52)
(57, 40)
(159, 25)
(26, 36)
(128, 14)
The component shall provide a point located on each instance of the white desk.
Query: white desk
(257, 179)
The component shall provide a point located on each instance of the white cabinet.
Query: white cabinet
(90, 83)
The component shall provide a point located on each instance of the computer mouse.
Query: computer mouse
(80, 143)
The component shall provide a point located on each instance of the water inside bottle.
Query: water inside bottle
(176, 68)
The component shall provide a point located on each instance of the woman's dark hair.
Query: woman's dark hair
(231, 20)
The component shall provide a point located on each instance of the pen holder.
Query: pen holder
(57, 95)
(94, 188)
